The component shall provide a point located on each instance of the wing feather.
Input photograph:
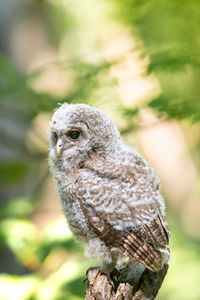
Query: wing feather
(126, 243)
(143, 242)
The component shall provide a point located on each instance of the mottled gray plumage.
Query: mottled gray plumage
(109, 193)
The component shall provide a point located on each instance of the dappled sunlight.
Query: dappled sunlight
(164, 144)
(139, 63)
(14, 288)
(129, 68)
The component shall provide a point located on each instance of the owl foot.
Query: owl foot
(97, 268)
(93, 273)
(92, 270)
(108, 278)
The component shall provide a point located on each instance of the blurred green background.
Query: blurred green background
(137, 60)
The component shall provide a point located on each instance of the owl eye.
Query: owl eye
(54, 137)
(74, 134)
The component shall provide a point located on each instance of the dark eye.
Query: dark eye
(74, 134)
(54, 137)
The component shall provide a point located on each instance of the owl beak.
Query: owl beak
(59, 147)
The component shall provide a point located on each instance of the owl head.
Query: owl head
(77, 129)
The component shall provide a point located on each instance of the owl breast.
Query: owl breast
(72, 209)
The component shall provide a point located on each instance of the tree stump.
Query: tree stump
(101, 288)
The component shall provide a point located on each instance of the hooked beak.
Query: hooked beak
(59, 147)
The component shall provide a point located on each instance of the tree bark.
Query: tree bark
(101, 288)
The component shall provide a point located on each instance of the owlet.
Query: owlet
(109, 193)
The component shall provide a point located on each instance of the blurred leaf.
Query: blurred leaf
(20, 207)
(168, 30)
(12, 171)
(176, 107)
(17, 288)
(57, 235)
(21, 237)
(69, 272)
(171, 59)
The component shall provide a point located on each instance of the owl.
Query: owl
(109, 194)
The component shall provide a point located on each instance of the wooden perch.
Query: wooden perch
(100, 288)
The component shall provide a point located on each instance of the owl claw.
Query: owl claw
(93, 272)
(109, 279)
(92, 269)
(108, 275)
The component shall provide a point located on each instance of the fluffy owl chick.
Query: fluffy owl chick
(109, 193)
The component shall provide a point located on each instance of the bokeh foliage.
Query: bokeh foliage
(169, 30)
(47, 264)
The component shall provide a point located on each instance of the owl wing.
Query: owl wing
(141, 245)
(138, 232)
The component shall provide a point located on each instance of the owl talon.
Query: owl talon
(109, 279)
(91, 274)
(108, 275)
(92, 269)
